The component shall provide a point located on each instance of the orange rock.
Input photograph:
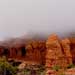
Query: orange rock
(54, 50)
(66, 49)
(70, 71)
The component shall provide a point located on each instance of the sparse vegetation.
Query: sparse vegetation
(6, 68)
(56, 67)
(70, 66)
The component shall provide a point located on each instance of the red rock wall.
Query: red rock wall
(35, 52)
(52, 51)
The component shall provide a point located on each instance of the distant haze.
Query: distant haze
(23, 17)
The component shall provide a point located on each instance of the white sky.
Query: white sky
(19, 17)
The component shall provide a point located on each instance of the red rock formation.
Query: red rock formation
(1, 50)
(54, 51)
(67, 50)
(35, 50)
(72, 46)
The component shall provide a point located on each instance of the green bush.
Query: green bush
(71, 66)
(56, 67)
(5, 66)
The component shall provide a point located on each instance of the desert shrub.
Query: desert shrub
(71, 66)
(6, 68)
(56, 67)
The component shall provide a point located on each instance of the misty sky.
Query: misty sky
(20, 17)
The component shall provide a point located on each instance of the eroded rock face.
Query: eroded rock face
(36, 51)
(33, 51)
(1, 50)
(58, 51)
(72, 46)
(54, 51)
(67, 50)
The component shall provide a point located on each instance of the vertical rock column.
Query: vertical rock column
(67, 52)
(1, 51)
(36, 51)
(11, 52)
(42, 48)
(72, 45)
(54, 51)
(33, 52)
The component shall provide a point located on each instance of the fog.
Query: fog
(24, 17)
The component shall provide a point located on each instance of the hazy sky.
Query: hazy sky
(20, 17)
